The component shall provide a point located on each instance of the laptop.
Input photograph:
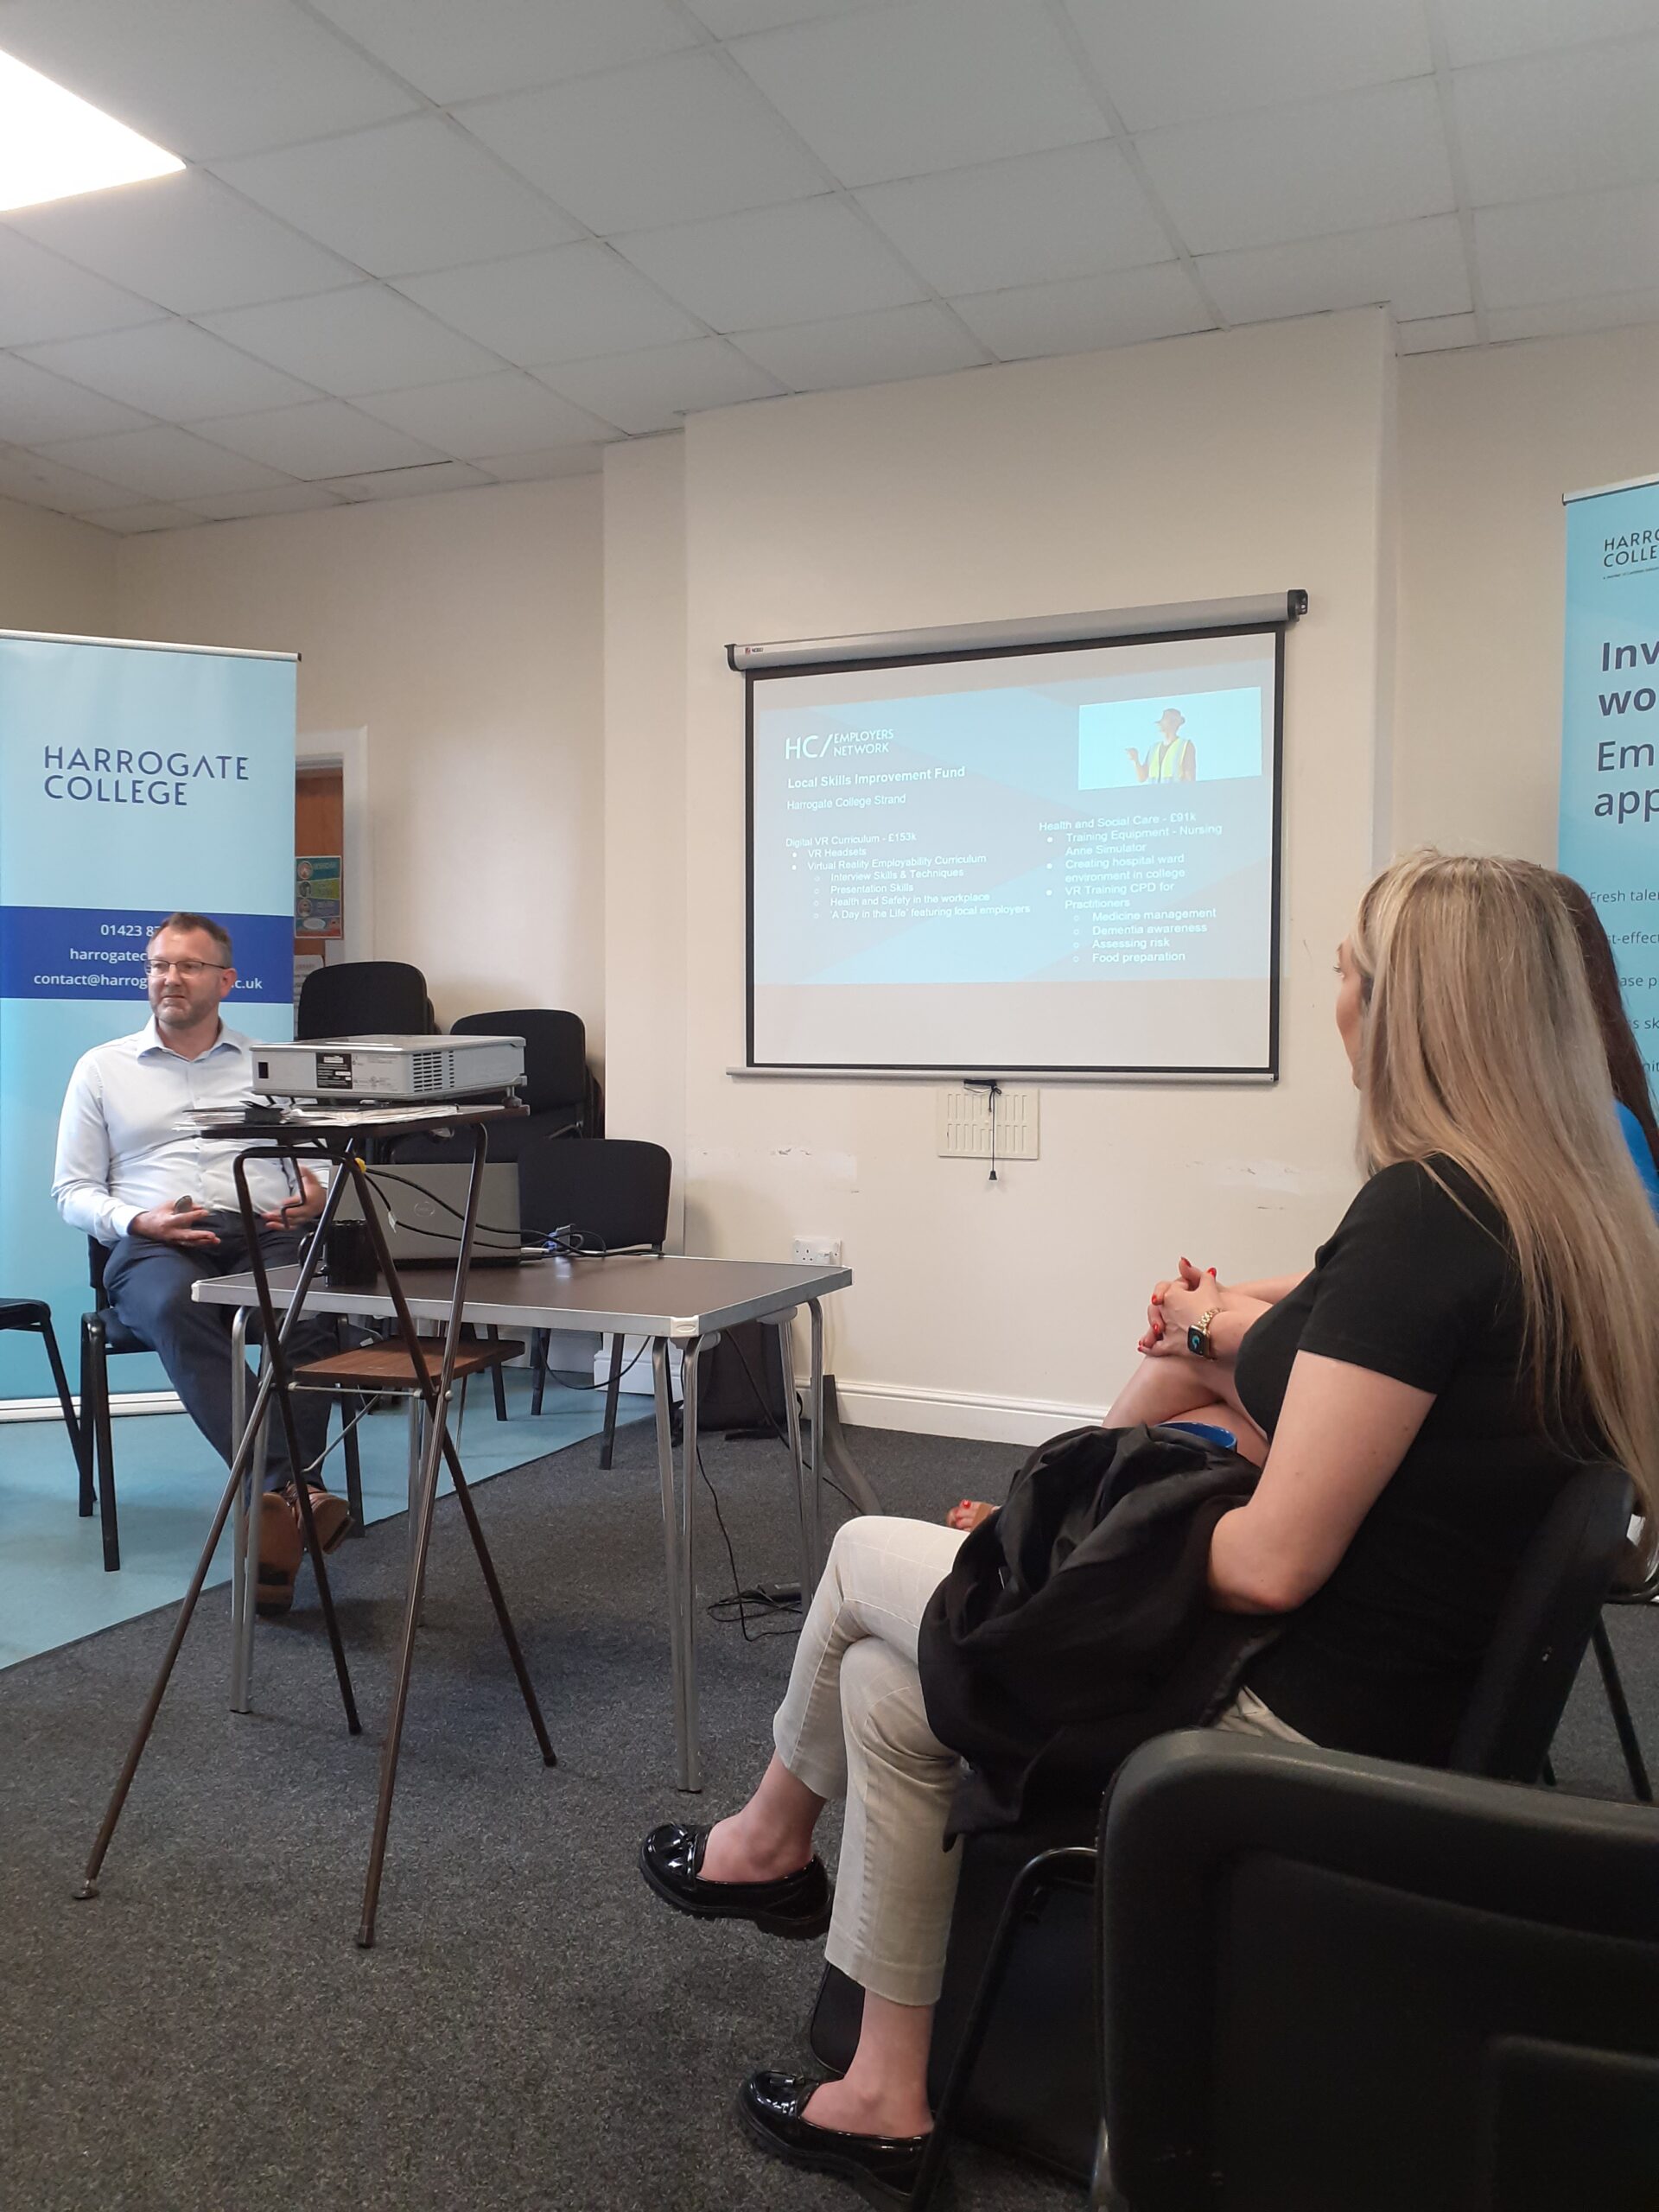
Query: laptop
(423, 1207)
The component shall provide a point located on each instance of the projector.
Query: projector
(402, 1070)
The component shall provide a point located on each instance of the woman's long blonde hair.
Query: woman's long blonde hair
(1480, 1045)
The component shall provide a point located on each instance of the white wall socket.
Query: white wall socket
(817, 1251)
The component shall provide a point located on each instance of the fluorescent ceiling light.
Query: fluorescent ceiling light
(53, 146)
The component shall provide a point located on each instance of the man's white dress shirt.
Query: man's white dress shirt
(125, 1143)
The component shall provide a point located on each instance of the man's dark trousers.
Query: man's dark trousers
(147, 1284)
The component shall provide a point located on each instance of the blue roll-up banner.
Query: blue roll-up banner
(134, 780)
(1609, 732)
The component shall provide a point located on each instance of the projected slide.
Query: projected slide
(1057, 860)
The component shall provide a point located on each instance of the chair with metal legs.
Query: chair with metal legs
(33, 1315)
(103, 1336)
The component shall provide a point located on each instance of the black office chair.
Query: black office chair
(104, 1337)
(559, 1089)
(1013, 2061)
(557, 1085)
(360, 998)
(1645, 1592)
(612, 1193)
(1333, 1981)
(35, 1316)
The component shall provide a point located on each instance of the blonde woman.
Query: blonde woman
(1471, 1332)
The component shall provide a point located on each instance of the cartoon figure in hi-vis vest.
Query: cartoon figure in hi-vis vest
(1172, 761)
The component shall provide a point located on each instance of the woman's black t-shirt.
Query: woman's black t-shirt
(1420, 1283)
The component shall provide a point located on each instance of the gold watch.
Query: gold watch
(1198, 1335)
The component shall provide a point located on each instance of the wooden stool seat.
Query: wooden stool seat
(388, 1366)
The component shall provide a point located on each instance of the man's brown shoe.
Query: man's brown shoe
(331, 1515)
(282, 1546)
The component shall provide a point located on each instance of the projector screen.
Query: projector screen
(1064, 860)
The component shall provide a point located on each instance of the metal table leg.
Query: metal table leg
(815, 1416)
(784, 1323)
(686, 1774)
(245, 1521)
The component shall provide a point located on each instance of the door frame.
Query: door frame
(349, 750)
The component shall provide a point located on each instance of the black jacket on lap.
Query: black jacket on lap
(1075, 1623)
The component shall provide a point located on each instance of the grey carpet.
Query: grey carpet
(532, 2029)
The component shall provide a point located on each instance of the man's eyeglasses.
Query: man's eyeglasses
(189, 969)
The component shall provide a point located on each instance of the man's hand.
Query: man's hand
(292, 1212)
(176, 1224)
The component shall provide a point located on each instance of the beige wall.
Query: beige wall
(645, 965)
(55, 574)
(1199, 468)
(465, 632)
(1490, 441)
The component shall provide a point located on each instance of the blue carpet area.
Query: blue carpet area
(52, 1586)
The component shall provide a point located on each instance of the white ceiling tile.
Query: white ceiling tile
(806, 263)
(164, 463)
(1076, 212)
(1597, 242)
(656, 389)
(880, 348)
(417, 481)
(42, 483)
(459, 49)
(544, 467)
(366, 338)
(43, 297)
(1489, 31)
(1557, 123)
(1174, 63)
(576, 300)
(1566, 318)
(663, 142)
(507, 413)
(925, 85)
(1438, 334)
(185, 240)
(1345, 164)
(411, 196)
(130, 522)
(36, 407)
(323, 438)
(731, 18)
(200, 81)
(276, 499)
(1086, 313)
(1417, 267)
(169, 368)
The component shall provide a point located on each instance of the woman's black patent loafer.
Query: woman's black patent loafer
(882, 2168)
(797, 1904)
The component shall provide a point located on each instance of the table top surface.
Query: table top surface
(637, 1293)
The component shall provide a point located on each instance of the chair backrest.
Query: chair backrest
(98, 1258)
(555, 1054)
(359, 998)
(1547, 1616)
(613, 1191)
(1328, 1981)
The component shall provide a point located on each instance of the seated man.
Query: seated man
(133, 1171)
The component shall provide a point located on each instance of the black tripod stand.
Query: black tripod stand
(338, 1138)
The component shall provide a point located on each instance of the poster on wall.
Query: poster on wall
(1609, 732)
(317, 907)
(135, 780)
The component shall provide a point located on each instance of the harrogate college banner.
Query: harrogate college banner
(1609, 731)
(134, 780)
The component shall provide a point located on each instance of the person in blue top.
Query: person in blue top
(1624, 1064)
